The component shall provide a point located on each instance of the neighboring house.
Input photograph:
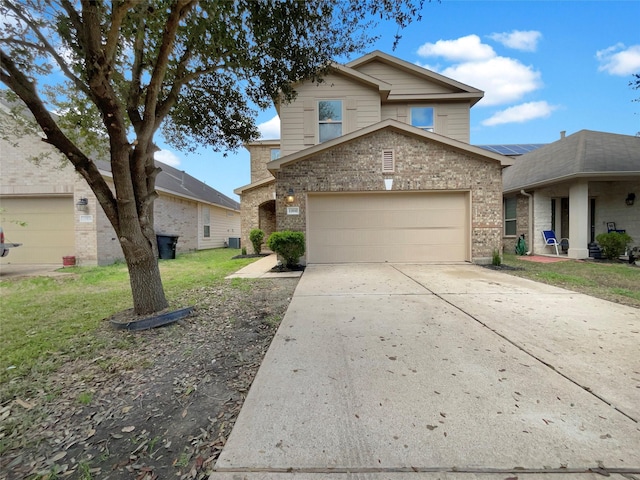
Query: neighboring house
(578, 186)
(375, 165)
(63, 217)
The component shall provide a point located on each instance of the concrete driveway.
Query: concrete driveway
(441, 371)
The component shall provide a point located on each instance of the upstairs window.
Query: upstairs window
(329, 119)
(275, 153)
(510, 216)
(422, 117)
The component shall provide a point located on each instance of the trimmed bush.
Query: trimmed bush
(613, 244)
(496, 259)
(256, 236)
(288, 245)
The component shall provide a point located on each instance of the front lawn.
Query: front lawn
(45, 319)
(617, 282)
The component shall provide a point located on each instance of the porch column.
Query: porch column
(579, 220)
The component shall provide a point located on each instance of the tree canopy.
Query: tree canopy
(117, 72)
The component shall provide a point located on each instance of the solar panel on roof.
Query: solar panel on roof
(512, 150)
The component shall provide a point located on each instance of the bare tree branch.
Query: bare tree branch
(46, 46)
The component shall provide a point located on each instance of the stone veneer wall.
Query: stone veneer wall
(249, 211)
(260, 156)
(420, 165)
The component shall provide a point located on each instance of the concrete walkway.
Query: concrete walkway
(441, 372)
(262, 269)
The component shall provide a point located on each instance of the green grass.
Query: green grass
(45, 319)
(616, 282)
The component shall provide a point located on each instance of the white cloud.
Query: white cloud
(518, 39)
(270, 129)
(466, 49)
(167, 157)
(521, 113)
(619, 60)
(503, 79)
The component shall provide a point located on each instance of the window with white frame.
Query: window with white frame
(275, 153)
(329, 119)
(206, 222)
(510, 208)
(422, 117)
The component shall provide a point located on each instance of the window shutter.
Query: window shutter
(309, 122)
(388, 161)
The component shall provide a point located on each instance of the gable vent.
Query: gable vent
(388, 161)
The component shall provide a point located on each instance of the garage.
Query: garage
(49, 231)
(388, 227)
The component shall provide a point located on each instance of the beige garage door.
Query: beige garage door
(49, 231)
(388, 227)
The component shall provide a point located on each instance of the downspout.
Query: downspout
(530, 222)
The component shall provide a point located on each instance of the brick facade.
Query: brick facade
(250, 209)
(95, 241)
(420, 165)
(522, 225)
(260, 153)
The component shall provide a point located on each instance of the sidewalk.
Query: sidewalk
(262, 269)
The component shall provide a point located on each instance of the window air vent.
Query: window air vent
(388, 161)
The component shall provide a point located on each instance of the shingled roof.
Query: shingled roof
(179, 183)
(583, 154)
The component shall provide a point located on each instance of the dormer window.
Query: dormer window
(422, 117)
(329, 119)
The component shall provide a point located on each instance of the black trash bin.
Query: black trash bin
(167, 246)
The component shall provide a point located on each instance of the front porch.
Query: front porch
(581, 210)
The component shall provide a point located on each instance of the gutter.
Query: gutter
(530, 223)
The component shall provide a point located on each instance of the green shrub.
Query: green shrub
(288, 245)
(496, 260)
(243, 251)
(256, 236)
(613, 244)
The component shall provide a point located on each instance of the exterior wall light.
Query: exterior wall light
(630, 199)
(82, 205)
(290, 198)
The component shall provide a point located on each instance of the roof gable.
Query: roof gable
(404, 78)
(583, 154)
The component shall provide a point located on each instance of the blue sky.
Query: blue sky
(545, 66)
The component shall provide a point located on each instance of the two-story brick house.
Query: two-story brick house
(374, 165)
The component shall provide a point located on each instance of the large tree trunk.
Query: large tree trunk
(135, 195)
(144, 275)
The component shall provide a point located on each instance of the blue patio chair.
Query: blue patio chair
(550, 240)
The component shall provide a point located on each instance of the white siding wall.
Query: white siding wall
(223, 223)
